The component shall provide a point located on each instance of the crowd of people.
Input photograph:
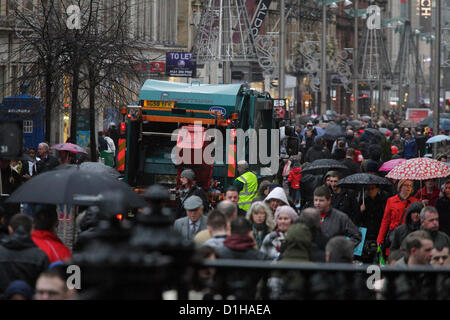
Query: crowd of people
(308, 217)
(295, 215)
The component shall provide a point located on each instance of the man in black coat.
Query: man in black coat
(47, 161)
(333, 222)
(443, 208)
(317, 151)
(20, 258)
(352, 166)
(343, 199)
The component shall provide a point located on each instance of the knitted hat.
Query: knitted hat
(188, 173)
(288, 210)
(18, 287)
(372, 166)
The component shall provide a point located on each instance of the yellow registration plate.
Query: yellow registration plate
(159, 104)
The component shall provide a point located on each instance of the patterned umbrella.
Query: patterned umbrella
(69, 147)
(419, 169)
(391, 164)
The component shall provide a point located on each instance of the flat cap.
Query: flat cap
(193, 203)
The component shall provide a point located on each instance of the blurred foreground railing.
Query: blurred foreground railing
(247, 279)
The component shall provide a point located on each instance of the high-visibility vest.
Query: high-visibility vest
(250, 190)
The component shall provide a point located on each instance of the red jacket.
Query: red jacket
(50, 243)
(294, 178)
(432, 198)
(393, 212)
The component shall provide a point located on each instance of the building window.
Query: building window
(27, 126)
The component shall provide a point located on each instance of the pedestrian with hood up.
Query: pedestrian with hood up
(274, 242)
(20, 258)
(277, 197)
(187, 189)
(261, 220)
(412, 223)
(289, 284)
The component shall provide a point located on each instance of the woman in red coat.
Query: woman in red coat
(396, 206)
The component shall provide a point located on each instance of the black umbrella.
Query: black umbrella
(428, 121)
(373, 131)
(74, 187)
(321, 165)
(358, 180)
(354, 123)
(332, 132)
(361, 180)
(96, 167)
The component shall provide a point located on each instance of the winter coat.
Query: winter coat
(373, 215)
(215, 242)
(443, 208)
(317, 152)
(432, 198)
(46, 164)
(49, 242)
(393, 212)
(20, 259)
(400, 144)
(272, 244)
(400, 233)
(337, 223)
(346, 202)
(410, 149)
(294, 178)
(194, 191)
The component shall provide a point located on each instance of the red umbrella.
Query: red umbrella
(419, 169)
(391, 164)
(70, 147)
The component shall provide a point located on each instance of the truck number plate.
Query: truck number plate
(159, 104)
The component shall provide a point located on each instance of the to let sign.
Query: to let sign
(181, 64)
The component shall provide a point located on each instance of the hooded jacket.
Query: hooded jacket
(298, 243)
(20, 259)
(277, 193)
(49, 242)
(402, 231)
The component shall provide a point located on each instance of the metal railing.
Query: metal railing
(248, 279)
